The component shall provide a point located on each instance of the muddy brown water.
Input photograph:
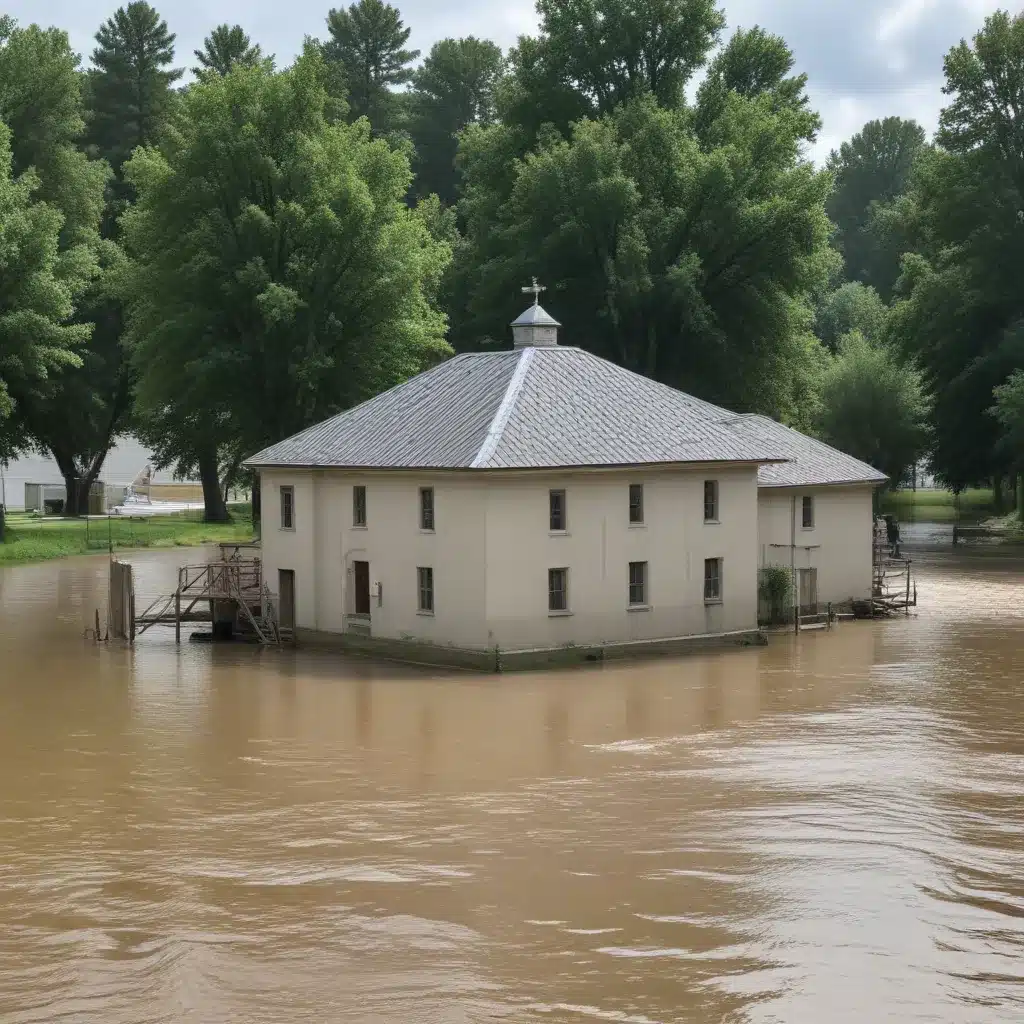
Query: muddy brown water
(829, 829)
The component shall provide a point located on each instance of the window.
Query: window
(558, 590)
(636, 503)
(287, 508)
(359, 506)
(710, 501)
(556, 509)
(638, 583)
(426, 508)
(712, 580)
(808, 512)
(425, 584)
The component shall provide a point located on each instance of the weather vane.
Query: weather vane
(536, 289)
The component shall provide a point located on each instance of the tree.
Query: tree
(38, 287)
(130, 83)
(692, 267)
(73, 414)
(453, 88)
(753, 63)
(870, 171)
(224, 47)
(851, 307)
(610, 51)
(368, 41)
(1009, 411)
(961, 309)
(277, 275)
(873, 407)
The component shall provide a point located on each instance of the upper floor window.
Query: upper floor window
(636, 503)
(710, 501)
(426, 508)
(712, 580)
(359, 505)
(808, 512)
(557, 519)
(287, 508)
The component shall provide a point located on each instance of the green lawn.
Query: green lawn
(938, 506)
(32, 538)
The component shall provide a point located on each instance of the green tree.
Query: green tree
(609, 51)
(1009, 411)
(870, 171)
(753, 63)
(224, 47)
(277, 275)
(961, 303)
(689, 266)
(454, 87)
(851, 307)
(38, 287)
(368, 41)
(74, 414)
(130, 94)
(873, 407)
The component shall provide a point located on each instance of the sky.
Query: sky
(865, 58)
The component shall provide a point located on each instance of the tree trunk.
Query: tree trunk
(997, 494)
(1020, 495)
(213, 498)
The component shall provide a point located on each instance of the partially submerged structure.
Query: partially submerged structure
(507, 507)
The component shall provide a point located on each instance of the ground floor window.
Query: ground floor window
(638, 583)
(425, 584)
(558, 590)
(712, 580)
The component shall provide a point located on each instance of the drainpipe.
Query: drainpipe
(792, 564)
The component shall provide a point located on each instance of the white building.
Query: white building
(24, 476)
(510, 506)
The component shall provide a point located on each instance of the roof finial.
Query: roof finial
(536, 289)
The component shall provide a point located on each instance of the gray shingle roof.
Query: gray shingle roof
(535, 316)
(810, 462)
(552, 407)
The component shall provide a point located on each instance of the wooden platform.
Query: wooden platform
(229, 595)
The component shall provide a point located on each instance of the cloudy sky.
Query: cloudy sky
(865, 58)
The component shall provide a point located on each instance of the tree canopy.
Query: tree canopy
(873, 407)
(453, 88)
(224, 47)
(38, 288)
(367, 40)
(292, 288)
(870, 171)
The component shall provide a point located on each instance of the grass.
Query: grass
(937, 506)
(31, 538)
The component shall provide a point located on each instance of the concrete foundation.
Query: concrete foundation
(494, 660)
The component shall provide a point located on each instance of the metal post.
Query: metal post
(907, 605)
(177, 616)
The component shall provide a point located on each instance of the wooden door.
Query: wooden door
(808, 581)
(286, 597)
(361, 572)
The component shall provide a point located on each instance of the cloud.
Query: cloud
(864, 58)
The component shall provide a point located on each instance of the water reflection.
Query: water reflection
(830, 829)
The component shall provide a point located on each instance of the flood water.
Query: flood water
(829, 829)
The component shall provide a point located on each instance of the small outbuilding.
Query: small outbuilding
(512, 507)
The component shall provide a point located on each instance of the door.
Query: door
(286, 597)
(361, 572)
(808, 583)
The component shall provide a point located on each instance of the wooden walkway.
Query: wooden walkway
(230, 592)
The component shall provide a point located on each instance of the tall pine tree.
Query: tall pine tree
(224, 47)
(368, 41)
